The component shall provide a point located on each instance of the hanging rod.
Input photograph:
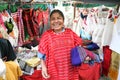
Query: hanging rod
(32, 2)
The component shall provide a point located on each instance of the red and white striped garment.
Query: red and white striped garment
(57, 48)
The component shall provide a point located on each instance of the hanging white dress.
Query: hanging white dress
(115, 42)
(107, 33)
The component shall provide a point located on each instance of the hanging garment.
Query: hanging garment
(13, 36)
(114, 66)
(116, 37)
(46, 19)
(76, 25)
(107, 33)
(39, 14)
(69, 15)
(91, 22)
(2, 22)
(30, 25)
(97, 34)
(17, 17)
(107, 60)
(3, 33)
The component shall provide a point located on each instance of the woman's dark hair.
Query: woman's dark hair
(57, 11)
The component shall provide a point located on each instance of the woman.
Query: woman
(54, 46)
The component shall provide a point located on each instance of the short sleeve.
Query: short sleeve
(77, 39)
(43, 44)
(41, 56)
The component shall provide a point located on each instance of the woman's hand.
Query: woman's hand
(44, 70)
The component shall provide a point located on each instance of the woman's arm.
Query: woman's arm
(44, 69)
(43, 65)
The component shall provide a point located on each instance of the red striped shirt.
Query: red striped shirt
(57, 48)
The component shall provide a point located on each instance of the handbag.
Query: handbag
(89, 72)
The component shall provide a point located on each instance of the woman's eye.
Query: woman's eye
(52, 19)
(59, 18)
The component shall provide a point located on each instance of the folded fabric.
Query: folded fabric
(92, 46)
(78, 55)
(75, 57)
(33, 62)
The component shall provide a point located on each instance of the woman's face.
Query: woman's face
(56, 21)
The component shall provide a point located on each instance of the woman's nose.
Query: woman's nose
(56, 20)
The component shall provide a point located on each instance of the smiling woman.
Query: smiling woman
(57, 21)
(54, 49)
